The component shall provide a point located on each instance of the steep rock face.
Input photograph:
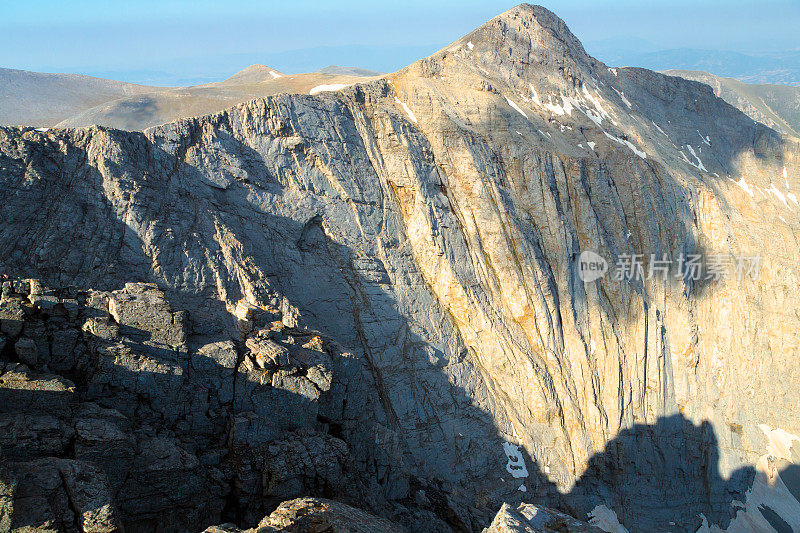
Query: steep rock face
(431, 222)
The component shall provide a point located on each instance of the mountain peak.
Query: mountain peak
(528, 43)
(527, 29)
(255, 73)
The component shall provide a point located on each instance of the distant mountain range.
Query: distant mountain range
(775, 67)
(71, 100)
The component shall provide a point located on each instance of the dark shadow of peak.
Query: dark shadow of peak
(662, 477)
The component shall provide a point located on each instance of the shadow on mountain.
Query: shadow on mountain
(662, 477)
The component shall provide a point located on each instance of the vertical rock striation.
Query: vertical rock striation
(375, 292)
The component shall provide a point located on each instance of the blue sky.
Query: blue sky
(191, 41)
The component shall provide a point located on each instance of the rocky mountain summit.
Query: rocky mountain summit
(369, 303)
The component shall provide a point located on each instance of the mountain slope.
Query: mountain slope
(43, 100)
(146, 110)
(431, 222)
(71, 100)
(777, 106)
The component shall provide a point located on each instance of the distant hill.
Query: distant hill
(777, 106)
(776, 68)
(68, 100)
(349, 71)
(43, 100)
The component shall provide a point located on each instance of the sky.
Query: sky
(176, 42)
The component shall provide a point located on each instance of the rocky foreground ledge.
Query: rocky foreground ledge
(318, 515)
(100, 423)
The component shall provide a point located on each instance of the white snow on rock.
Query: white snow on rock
(659, 129)
(470, 45)
(699, 165)
(591, 144)
(768, 489)
(406, 109)
(746, 187)
(613, 71)
(564, 108)
(274, 74)
(629, 144)
(778, 194)
(535, 96)
(516, 462)
(523, 488)
(328, 87)
(624, 100)
(606, 519)
(706, 138)
(515, 106)
(590, 105)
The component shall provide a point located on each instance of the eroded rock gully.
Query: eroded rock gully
(372, 295)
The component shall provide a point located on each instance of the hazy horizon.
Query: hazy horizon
(183, 43)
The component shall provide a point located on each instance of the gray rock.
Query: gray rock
(318, 514)
(430, 227)
(27, 351)
(527, 518)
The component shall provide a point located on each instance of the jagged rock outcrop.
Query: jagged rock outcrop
(306, 515)
(373, 295)
(528, 518)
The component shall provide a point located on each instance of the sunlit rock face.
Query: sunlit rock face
(427, 228)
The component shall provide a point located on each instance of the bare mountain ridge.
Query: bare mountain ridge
(777, 106)
(36, 99)
(372, 294)
(69, 100)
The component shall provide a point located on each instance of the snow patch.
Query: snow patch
(606, 519)
(699, 165)
(768, 489)
(706, 138)
(624, 100)
(407, 110)
(778, 194)
(328, 87)
(515, 106)
(629, 144)
(613, 71)
(274, 74)
(659, 129)
(535, 95)
(591, 144)
(745, 187)
(516, 462)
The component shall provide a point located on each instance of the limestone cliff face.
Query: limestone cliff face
(431, 223)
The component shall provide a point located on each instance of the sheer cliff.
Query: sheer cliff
(427, 228)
